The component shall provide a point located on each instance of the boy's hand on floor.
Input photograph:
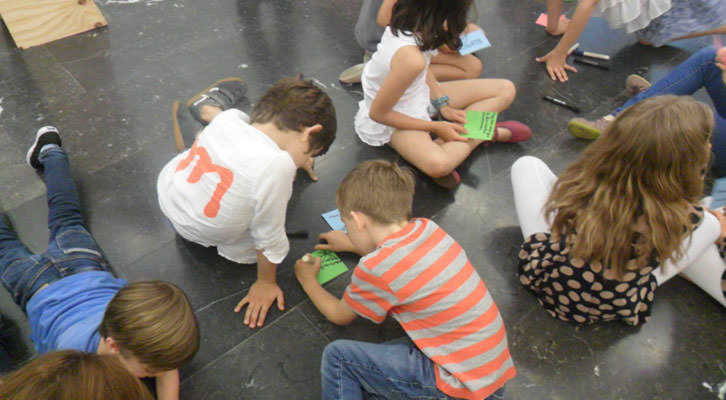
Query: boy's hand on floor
(556, 65)
(335, 241)
(309, 168)
(259, 300)
(307, 269)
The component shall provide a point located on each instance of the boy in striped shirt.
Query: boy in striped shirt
(456, 345)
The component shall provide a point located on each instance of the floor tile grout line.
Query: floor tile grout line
(245, 340)
(310, 321)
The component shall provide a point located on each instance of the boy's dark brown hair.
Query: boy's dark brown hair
(378, 188)
(73, 375)
(154, 322)
(295, 103)
(434, 22)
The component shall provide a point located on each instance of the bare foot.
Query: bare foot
(562, 25)
(207, 112)
(503, 135)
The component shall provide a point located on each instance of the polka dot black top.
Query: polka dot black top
(585, 292)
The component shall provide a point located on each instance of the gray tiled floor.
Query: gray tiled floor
(110, 92)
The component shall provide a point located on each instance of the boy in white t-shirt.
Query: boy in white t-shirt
(231, 188)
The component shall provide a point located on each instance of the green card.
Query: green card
(330, 265)
(480, 124)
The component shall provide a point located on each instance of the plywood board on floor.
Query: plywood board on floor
(36, 22)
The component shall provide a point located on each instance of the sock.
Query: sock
(46, 147)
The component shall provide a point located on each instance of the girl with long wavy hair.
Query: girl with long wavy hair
(622, 219)
(72, 375)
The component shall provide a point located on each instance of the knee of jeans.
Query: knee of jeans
(707, 54)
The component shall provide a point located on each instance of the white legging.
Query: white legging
(532, 181)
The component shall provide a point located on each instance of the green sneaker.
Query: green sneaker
(586, 129)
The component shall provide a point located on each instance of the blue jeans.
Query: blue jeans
(71, 248)
(390, 370)
(696, 72)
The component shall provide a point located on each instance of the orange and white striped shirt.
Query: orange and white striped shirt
(422, 277)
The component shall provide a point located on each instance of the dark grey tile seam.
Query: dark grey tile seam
(310, 321)
(242, 343)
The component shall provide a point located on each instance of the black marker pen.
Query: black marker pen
(561, 103)
(592, 63)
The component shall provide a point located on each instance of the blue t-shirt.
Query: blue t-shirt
(66, 314)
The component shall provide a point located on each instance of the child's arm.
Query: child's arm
(262, 293)
(555, 59)
(385, 12)
(167, 385)
(406, 65)
(337, 241)
(448, 112)
(334, 309)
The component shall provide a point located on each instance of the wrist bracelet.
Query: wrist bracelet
(440, 102)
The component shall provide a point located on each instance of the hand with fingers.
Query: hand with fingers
(259, 300)
(449, 131)
(719, 214)
(335, 241)
(721, 62)
(307, 269)
(556, 64)
(309, 168)
(453, 114)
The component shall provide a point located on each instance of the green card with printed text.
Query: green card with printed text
(480, 124)
(330, 265)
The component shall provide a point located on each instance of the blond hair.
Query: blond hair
(72, 375)
(380, 189)
(154, 322)
(647, 167)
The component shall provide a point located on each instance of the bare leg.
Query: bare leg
(482, 95)
(449, 65)
(433, 159)
(718, 31)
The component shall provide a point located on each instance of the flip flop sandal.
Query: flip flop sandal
(185, 126)
(223, 94)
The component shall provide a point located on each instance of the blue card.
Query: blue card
(473, 41)
(718, 193)
(333, 219)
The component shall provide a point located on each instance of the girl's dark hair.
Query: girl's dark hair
(434, 22)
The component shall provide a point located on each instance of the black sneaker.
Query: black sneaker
(222, 94)
(45, 135)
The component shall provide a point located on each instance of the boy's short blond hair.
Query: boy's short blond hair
(152, 321)
(378, 188)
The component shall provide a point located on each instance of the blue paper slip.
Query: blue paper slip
(718, 193)
(473, 41)
(333, 219)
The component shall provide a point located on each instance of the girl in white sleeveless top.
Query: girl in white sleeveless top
(398, 89)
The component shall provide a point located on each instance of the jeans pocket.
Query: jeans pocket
(75, 240)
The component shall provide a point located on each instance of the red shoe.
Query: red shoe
(520, 132)
(450, 181)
